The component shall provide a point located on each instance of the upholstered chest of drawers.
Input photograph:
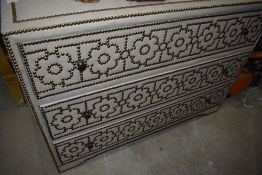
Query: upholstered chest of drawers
(99, 75)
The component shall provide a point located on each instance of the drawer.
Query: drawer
(98, 141)
(59, 65)
(73, 115)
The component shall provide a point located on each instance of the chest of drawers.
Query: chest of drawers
(100, 75)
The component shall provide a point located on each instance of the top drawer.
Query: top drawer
(59, 65)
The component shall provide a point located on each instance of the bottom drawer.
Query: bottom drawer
(88, 145)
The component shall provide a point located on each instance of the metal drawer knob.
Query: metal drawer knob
(90, 145)
(245, 31)
(87, 115)
(225, 72)
(209, 101)
(81, 66)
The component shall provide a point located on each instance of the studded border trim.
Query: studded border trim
(16, 20)
(120, 17)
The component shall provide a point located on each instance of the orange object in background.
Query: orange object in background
(256, 55)
(242, 82)
(245, 78)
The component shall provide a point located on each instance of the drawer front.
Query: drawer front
(98, 141)
(73, 115)
(59, 65)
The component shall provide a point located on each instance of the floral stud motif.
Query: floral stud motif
(233, 32)
(156, 120)
(199, 103)
(125, 54)
(73, 150)
(67, 119)
(103, 59)
(131, 129)
(104, 139)
(137, 98)
(233, 67)
(192, 81)
(105, 107)
(216, 97)
(167, 88)
(54, 69)
(145, 49)
(179, 110)
(214, 73)
(179, 42)
(253, 29)
(208, 37)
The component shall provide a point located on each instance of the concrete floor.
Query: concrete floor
(227, 142)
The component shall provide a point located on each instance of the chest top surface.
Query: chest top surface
(28, 14)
